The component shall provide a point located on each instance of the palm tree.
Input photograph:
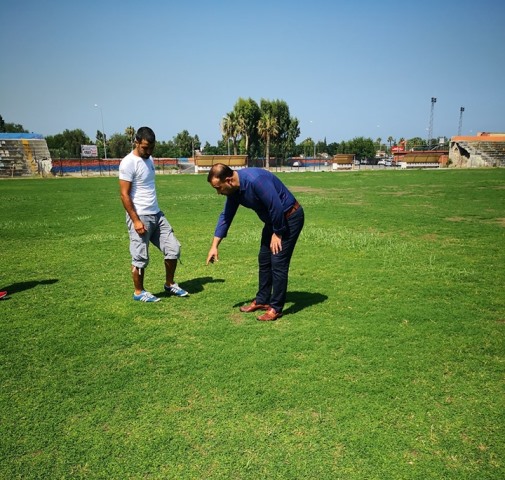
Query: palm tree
(231, 129)
(227, 128)
(130, 133)
(390, 141)
(248, 114)
(267, 128)
(241, 129)
(379, 140)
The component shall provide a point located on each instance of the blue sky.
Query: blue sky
(345, 69)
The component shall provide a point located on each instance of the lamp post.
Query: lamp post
(103, 132)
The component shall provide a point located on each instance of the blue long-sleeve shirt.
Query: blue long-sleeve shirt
(261, 191)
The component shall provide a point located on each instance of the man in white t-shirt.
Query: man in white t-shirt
(146, 223)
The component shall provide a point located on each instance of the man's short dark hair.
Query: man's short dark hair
(219, 171)
(145, 133)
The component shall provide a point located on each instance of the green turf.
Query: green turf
(388, 363)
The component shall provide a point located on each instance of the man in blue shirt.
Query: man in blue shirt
(283, 217)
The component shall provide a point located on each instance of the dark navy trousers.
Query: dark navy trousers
(274, 269)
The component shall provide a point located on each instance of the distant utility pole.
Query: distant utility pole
(461, 110)
(430, 130)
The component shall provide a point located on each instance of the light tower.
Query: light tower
(461, 110)
(430, 130)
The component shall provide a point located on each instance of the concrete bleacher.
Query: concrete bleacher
(23, 155)
(483, 150)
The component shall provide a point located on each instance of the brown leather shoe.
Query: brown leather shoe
(269, 316)
(253, 307)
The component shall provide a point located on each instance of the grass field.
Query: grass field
(388, 363)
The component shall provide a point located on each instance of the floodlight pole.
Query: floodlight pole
(430, 131)
(461, 110)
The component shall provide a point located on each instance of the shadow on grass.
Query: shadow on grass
(22, 286)
(301, 300)
(195, 285)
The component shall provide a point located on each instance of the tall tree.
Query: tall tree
(130, 133)
(101, 142)
(308, 147)
(67, 144)
(166, 149)
(248, 114)
(332, 148)
(186, 144)
(278, 109)
(119, 145)
(390, 141)
(209, 149)
(416, 143)
(363, 148)
(268, 128)
(292, 134)
(321, 148)
(6, 127)
(230, 129)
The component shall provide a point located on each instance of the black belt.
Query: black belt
(292, 210)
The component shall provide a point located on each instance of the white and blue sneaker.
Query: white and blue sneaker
(174, 289)
(144, 296)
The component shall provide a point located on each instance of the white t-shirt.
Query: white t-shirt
(140, 173)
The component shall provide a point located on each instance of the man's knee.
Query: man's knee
(140, 263)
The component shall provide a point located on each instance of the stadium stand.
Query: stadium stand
(427, 159)
(23, 154)
(343, 161)
(204, 162)
(483, 150)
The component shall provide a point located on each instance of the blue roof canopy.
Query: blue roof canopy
(21, 136)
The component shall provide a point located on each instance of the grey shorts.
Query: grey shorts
(159, 232)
